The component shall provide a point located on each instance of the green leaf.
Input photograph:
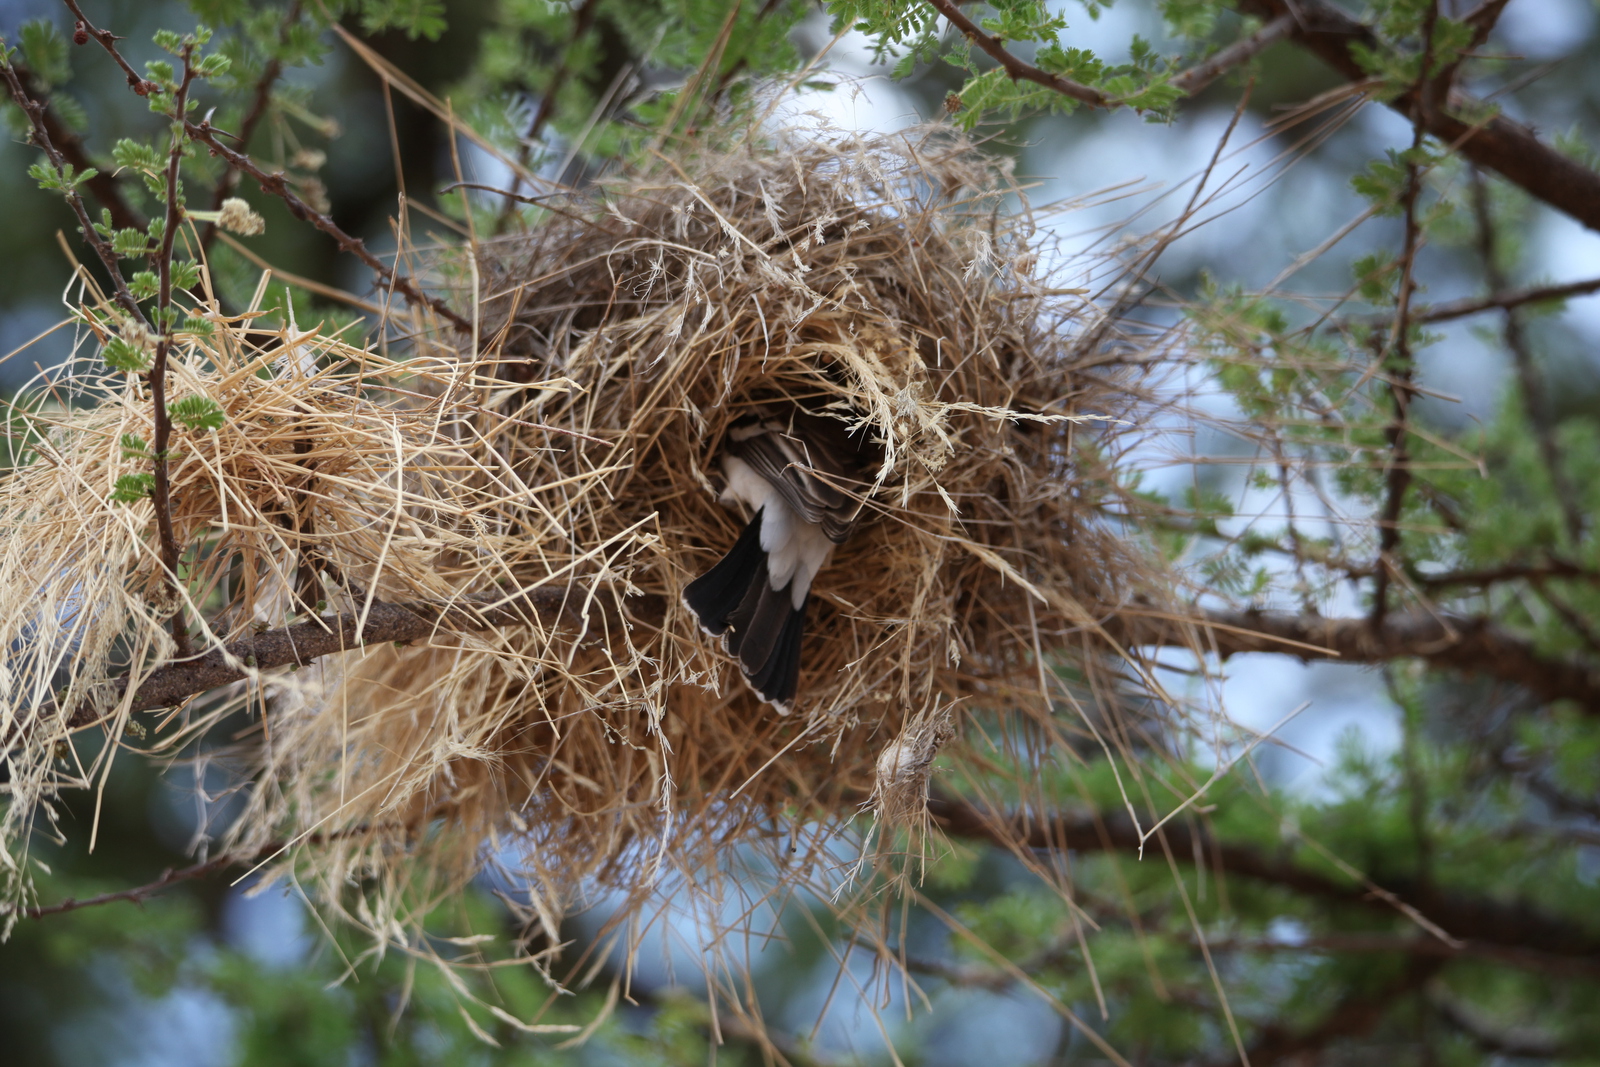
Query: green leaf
(185, 274)
(144, 284)
(46, 52)
(1376, 277)
(64, 180)
(161, 72)
(129, 243)
(137, 155)
(1383, 183)
(213, 66)
(120, 355)
(69, 111)
(417, 18)
(132, 488)
(197, 413)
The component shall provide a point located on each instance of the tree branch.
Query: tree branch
(1535, 404)
(1476, 305)
(1204, 73)
(1481, 924)
(104, 186)
(259, 99)
(138, 894)
(275, 185)
(1016, 67)
(1482, 19)
(1510, 572)
(1517, 1042)
(41, 137)
(582, 19)
(1507, 147)
(1402, 368)
(1353, 1016)
(1470, 645)
(161, 490)
(108, 41)
(302, 643)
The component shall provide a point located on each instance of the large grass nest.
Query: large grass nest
(892, 283)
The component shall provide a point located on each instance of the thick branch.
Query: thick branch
(1500, 144)
(1016, 67)
(1510, 572)
(1517, 1042)
(1475, 921)
(300, 644)
(1354, 1016)
(1470, 645)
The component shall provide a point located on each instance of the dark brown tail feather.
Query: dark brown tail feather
(757, 623)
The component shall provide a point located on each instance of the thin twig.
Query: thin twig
(1016, 67)
(1482, 19)
(1575, 620)
(108, 40)
(582, 19)
(1477, 305)
(1402, 367)
(138, 894)
(259, 99)
(41, 137)
(1535, 405)
(161, 491)
(105, 186)
(743, 62)
(274, 184)
(1204, 73)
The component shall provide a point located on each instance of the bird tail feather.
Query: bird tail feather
(717, 594)
(758, 624)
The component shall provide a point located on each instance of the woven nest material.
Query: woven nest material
(891, 283)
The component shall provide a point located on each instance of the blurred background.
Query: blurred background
(220, 971)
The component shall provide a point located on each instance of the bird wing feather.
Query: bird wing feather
(813, 465)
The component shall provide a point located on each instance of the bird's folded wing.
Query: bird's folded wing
(814, 466)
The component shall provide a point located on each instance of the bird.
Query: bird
(803, 476)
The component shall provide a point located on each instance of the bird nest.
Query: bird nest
(571, 449)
